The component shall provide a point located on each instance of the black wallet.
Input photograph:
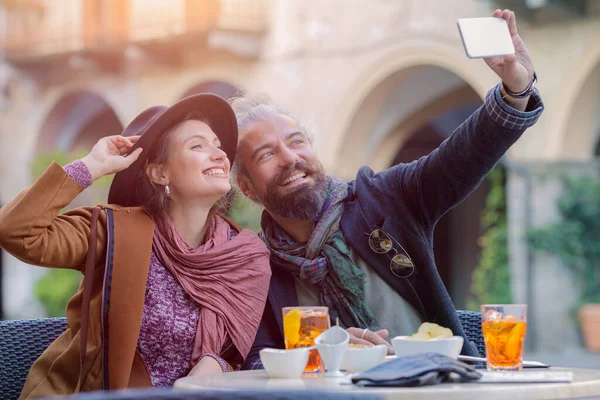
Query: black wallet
(417, 370)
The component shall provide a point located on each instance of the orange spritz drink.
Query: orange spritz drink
(504, 327)
(301, 325)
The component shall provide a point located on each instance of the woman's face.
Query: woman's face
(197, 168)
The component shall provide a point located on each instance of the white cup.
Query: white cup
(332, 345)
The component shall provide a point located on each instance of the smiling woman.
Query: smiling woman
(184, 163)
(163, 279)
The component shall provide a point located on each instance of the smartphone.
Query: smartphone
(485, 37)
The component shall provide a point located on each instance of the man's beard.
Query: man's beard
(303, 202)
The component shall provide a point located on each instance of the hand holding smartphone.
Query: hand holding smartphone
(485, 37)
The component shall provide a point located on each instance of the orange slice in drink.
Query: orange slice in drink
(291, 326)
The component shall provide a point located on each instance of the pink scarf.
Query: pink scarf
(227, 278)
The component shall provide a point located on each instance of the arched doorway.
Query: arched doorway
(580, 140)
(70, 130)
(595, 78)
(406, 116)
(77, 121)
(456, 235)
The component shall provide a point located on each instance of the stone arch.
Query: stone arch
(385, 74)
(576, 111)
(456, 235)
(383, 157)
(595, 124)
(77, 119)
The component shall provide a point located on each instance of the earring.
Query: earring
(167, 191)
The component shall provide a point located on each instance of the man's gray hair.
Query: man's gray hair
(252, 107)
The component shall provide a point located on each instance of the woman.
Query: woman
(170, 287)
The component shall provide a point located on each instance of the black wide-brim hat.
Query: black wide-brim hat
(156, 121)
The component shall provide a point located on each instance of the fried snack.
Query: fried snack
(429, 331)
(358, 345)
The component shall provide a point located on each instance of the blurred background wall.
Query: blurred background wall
(379, 82)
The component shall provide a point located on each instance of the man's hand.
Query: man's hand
(370, 338)
(515, 70)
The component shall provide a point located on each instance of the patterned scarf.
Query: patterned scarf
(325, 260)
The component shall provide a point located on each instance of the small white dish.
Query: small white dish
(332, 345)
(405, 346)
(284, 364)
(360, 359)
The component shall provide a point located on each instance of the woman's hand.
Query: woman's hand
(110, 155)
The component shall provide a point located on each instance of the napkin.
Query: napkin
(417, 370)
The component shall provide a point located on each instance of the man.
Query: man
(365, 249)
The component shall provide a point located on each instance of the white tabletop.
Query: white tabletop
(586, 383)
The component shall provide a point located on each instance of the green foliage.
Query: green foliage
(61, 157)
(575, 240)
(57, 286)
(44, 159)
(245, 213)
(491, 278)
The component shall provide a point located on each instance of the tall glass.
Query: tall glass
(504, 327)
(301, 325)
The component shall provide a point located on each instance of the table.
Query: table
(586, 383)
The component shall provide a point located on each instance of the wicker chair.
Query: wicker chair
(21, 343)
(471, 322)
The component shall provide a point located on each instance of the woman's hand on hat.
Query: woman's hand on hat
(111, 155)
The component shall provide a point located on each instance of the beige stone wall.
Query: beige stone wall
(335, 63)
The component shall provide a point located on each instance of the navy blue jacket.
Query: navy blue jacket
(407, 201)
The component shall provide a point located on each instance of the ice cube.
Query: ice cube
(307, 326)
(493, 315)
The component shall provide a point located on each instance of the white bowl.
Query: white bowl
(285, 364)
(360, 359)
(405, 346)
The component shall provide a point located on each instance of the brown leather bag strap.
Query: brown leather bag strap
(88, 285)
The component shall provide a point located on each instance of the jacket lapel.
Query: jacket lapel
(125, 286)
(356, 230)
(282, 293)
